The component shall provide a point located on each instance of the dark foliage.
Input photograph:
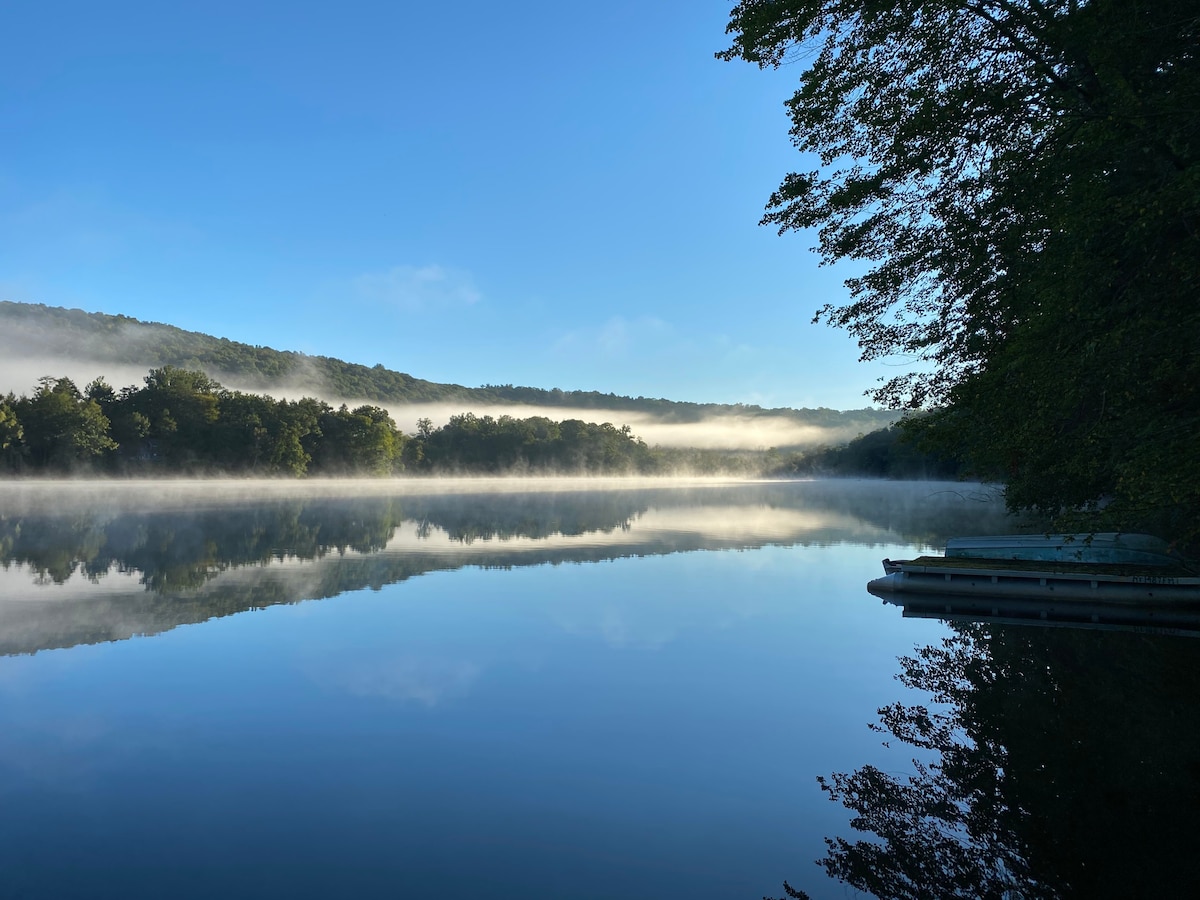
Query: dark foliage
(484, 444)
(886, 453)
(1054, 763)
(182, 421)
(1023, 178)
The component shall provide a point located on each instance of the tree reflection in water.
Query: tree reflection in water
(202, 550)
(1051, 763)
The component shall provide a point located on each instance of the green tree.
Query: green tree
(62, 428)
(1021, 178)
(242, 433)
(296, 425)
(11, 432)
(102, 392)
(181, 406)
(364, 441)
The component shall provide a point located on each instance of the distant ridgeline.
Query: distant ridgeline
(44, 331)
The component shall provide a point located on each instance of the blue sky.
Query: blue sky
(554, 194)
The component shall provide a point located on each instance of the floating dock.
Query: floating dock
(1156, 592)
(1040, 579)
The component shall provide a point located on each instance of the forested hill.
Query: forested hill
(38, 331)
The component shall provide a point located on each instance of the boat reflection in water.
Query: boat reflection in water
(1168, 618)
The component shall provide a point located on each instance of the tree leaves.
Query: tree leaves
(1022, 177)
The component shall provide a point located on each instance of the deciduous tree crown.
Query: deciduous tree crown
(1021, 177)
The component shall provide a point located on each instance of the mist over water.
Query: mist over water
(926, 500)
(28, 353)
(103, 560)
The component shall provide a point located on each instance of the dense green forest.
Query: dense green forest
(29, 329)
(1019, 183)
(183, 422)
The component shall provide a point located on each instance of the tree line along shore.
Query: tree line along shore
(36, 331)
(184, 422)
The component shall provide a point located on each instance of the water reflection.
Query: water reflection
(627, 730)
(88, 563)
(1170, 616)
(1051, 763)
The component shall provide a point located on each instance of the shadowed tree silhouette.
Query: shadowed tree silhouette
(1052, 763)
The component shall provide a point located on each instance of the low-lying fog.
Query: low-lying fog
(729, 432)
(722, 432)
(42, 494)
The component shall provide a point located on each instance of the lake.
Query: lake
(559, 689)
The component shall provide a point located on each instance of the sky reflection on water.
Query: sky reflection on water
(574, 701)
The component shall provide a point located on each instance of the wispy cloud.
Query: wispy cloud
(405, 679)
(616, 337)
(419, 287)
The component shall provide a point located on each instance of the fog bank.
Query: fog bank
(20, 371)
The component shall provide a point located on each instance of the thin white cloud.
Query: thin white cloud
(616, 337)
(414, 288)
(405, 679)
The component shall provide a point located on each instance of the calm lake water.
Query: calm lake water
(618, 690)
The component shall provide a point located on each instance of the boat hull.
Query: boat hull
(1035, 586)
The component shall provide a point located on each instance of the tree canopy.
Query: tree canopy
(182, 421)
(59, 426)
(1021, 179)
